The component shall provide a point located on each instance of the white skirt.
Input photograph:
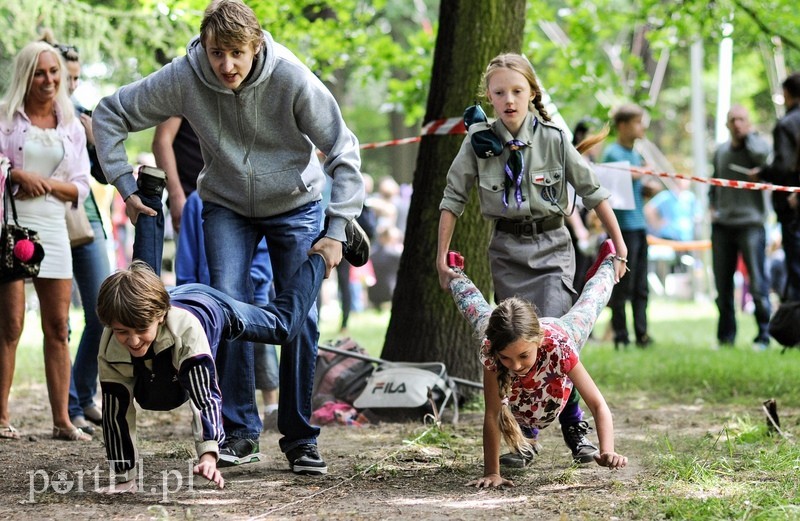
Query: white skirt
(46, 215)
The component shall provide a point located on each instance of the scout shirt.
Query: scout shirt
(549, 160)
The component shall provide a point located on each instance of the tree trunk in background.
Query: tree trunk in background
(425, 324)
(403, 157)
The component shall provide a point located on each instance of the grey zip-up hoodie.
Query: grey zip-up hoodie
(258, 142)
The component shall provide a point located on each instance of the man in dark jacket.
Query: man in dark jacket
(785, 170)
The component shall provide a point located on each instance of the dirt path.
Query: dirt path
(374, 473)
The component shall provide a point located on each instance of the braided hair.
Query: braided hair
(513, 319)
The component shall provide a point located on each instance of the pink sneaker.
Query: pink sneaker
(607, 250)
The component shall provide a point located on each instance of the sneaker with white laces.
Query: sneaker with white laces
(238, 451)
(305, 459)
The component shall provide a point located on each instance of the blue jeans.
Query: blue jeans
(275, 323)
(289, 237)
(90, 267)
(148, 242)
(727, 242)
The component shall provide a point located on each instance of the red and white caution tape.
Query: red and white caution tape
(393, 142)
(445, 126)
(438, 127)
(715, 181)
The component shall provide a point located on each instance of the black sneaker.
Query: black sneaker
(518, 460)
(356, 248)
(575, 437)
(238, 451)
(305, 459)
(151, 181)
(515, 460)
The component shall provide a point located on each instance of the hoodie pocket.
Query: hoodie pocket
(280, 183)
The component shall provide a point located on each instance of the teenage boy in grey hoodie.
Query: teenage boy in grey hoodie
(259, 114)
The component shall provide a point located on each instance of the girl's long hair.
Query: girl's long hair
(513, 319)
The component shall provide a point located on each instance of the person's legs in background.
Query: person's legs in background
(267, 381)
(637, 263)
(724, 251)
(90, 266)
(753, 245)
(345, 292)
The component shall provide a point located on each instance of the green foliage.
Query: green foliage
(127, 40)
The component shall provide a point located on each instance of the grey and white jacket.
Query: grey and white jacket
(258, 143)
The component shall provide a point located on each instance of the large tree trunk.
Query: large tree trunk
(425, 324)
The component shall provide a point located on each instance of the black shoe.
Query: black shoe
(575, 437)
(644, 341)
(621, 343)
(151, 181)
(305, 459)
(238, 451)
(356, 249)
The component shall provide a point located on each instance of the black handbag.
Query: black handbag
(21, 252)
(784, 326)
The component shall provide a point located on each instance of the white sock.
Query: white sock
(270, 407)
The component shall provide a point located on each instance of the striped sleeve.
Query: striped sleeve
(198, 376)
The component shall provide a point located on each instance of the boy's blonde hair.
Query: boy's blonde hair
(626, 112)
(134, 297)
(520, 64)
(513, 319)
(230, 24)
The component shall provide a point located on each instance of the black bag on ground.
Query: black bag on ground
(339, 377)
(401, 391)
(784, 326)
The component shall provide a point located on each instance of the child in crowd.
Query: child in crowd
(629, 125)
(531, 364)
(159, 348)
(522, 187)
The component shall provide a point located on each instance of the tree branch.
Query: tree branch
(764, 27)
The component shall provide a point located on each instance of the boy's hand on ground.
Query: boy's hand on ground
(134, 206)
(120, 488)
(491, 481)
(207, 468)
(611, 460)
(332, 250)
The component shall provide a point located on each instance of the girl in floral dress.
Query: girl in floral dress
(531, 365)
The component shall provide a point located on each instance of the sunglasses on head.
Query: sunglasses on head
(67, 51)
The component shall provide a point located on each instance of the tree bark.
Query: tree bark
(425, 324)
